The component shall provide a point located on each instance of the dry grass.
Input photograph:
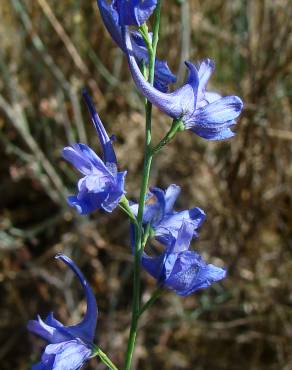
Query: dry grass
(49, 49)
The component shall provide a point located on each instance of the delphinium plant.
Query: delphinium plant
(177, 267)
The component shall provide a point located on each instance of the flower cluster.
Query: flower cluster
(191, 106)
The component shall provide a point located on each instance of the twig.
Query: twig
(64, 37)
(78, 120)
(185, 39)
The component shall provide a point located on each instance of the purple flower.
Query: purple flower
(205, 113)
(110, 16)
(69, 346)
(135, 12)
(102, 186)
(166, 222)
(179, 269)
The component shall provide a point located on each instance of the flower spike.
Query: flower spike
(69, 346)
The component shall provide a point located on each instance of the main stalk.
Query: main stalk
(144, 185)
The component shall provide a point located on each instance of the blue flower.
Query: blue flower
(205, 113)
(166, 222)
(102, 186)
(69, 346)
(110, 16)
(135, 12)
(179, 269)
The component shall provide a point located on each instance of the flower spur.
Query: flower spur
(69, 346)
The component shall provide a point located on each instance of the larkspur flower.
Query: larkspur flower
(110, 16)
(69, 346)
(179, 269)
(135, 12)
(159, 212)
(102, 186)
(205, 113)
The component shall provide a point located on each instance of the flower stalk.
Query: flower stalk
(138, 246)
(177, 125)
(156, 294)
(104, 358)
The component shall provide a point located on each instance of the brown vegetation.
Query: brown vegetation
(49, 50)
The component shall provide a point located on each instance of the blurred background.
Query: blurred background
(49, 50)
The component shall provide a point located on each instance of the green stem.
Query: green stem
(146, 234)
(98, 352)
(157, 293)
(143, 29)
(124, 205)
(144, 185)
(138, 242)
(177, 125)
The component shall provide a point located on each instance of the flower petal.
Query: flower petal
(214, 134)
(95, 183)
(185, 270)
(207, 276)
(173, 222)
(211, 96)
(217, 113)
(115, 194)
(69, 355)
(206, 68)
(184, 237)
(191, 273)
(50, 320)
(83, 158)
(171, 195)
(153, 265)
(41, 328)
(41, 366)
(154, 206)
(181, 244)
(134, 12)
(158, 206)
(86, 202)
(163, 76)
(110, 19)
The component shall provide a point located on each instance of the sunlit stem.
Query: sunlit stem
(144, 33)
(144, 185)
(146, 234)
(157, 293)
(104, 358)
(124, 205)
(177, 125)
